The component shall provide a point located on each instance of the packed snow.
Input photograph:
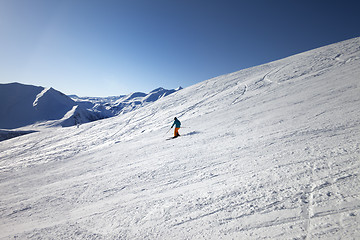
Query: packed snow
(269, 152)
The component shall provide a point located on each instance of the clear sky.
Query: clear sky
(114, 47)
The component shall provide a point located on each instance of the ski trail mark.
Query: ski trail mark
(240, 91)
(266, 80)
(194, 106)
(126, 124)
(307, 200)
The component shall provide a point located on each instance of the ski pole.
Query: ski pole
(167, 131)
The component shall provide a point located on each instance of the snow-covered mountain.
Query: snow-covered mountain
(112, 106)
(269, 152)
(22, 105)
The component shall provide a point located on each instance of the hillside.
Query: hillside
(269, 152)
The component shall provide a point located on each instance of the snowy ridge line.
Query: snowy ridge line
(113, 106)
(39, 96)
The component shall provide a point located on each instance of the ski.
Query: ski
(172, 138)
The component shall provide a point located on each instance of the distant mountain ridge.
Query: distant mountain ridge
(22, 105)
(112, 106)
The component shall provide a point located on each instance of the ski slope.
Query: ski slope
(269, 152)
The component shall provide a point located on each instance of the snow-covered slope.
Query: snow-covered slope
(269, 152)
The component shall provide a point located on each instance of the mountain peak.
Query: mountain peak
(157, 90)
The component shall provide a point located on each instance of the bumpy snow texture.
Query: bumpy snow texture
(269, 152)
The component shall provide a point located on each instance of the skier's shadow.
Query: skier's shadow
(191, 133)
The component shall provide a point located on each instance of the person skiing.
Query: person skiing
(177, 125)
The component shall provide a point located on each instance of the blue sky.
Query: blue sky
(114, 47)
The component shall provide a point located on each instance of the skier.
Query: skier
(177, 124)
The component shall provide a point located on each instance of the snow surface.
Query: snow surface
(269, 152)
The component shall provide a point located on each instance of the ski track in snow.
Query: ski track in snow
(269, 152)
